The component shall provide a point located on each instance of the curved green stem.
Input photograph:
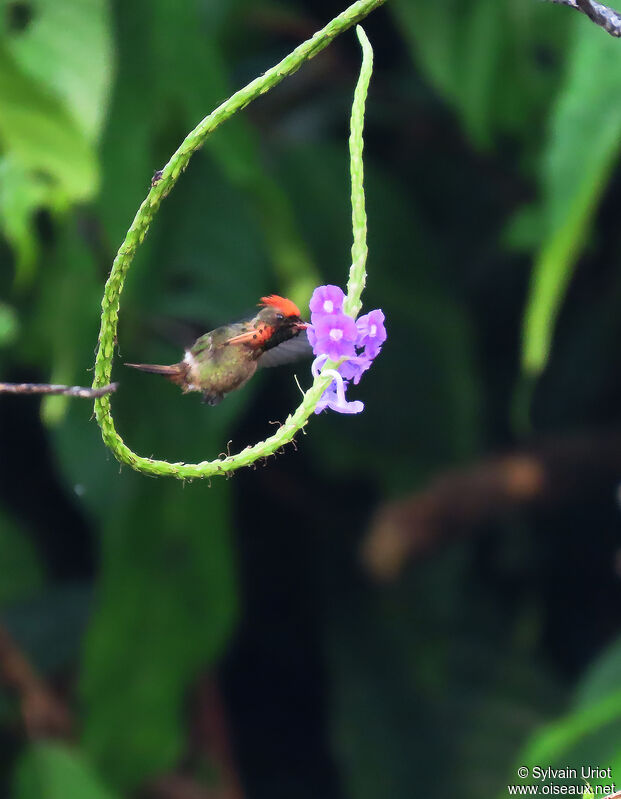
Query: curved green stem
(166, 180)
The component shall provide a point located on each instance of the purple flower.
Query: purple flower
(334, 396)
(334, 335)
(326, 300)
(372, 333)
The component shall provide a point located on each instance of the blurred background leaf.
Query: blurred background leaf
(166, 606)
(9, 325)
(489, 61)
(588, 735)
(66, 46)
(580, 154)
(56, 63)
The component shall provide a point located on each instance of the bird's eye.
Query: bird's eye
(280, 316)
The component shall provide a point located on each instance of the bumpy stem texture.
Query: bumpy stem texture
(161, 186)
(359, 249)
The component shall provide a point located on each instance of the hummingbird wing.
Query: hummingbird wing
(294, 349)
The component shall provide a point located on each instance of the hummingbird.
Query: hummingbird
(224, 359)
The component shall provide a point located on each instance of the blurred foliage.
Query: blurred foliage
(55, 75)
(581, 153)
(491, 153)
(482, 58)
(589, 734)
(8, 324)
(58, 773)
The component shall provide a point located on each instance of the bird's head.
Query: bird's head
(278, 320)
(280, 312)
(281, 320)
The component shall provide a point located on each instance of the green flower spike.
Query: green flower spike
(160, 188)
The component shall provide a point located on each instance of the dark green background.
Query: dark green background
(492, 134)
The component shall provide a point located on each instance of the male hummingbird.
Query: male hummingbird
(224, 359)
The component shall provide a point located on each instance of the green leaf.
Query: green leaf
(55, 771)
(601, 678)
(48, 160)
(484, 36)
(39, 133)
(556, 740)
(480, 56)
(21, 193)
(590, 733)
(583, 144)
(67, 48)
(431, 30)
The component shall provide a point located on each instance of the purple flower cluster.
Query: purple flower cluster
(334, 335)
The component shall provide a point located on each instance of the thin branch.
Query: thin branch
(67, 391)
(604, 16)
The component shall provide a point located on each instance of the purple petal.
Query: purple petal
(354, 368)
(371, 332)
(337, 326)
(324, 401)
(334, 397)
(371, 350)
(335, 350)
(335, 336)
(326, 300)
(355, 406)
(318, 364)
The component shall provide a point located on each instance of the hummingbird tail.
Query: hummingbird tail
(176, 372)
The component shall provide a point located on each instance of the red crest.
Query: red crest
(284, 305)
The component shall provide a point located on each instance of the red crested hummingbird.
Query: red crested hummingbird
(226, 358)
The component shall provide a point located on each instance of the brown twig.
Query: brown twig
(42, 713)
(47, 388)
(455, 502)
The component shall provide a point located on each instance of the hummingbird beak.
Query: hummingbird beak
(301, 325)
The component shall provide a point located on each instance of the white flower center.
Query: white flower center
(373, 330)
(336, 334)
(328, 306)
